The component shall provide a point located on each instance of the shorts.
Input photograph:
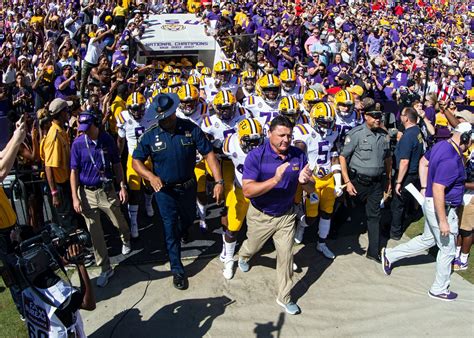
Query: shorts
(237, 206)
(133, 179)
(324, 188)
(466, 216)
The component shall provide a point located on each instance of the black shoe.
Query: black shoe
(180, 281)
(374, 258)
(395, 237)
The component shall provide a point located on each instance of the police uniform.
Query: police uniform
(174, 156)
(365, 151)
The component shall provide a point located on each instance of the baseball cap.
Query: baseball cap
(58, 105)
(463, 127)
(466, 115)
(86, 119)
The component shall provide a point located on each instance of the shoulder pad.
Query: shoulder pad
(225, 146)
(302, 129)
(251, 100)
(207, 121)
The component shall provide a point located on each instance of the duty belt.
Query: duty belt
(181, 185)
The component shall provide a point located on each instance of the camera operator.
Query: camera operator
(7, 159)
(51, 305)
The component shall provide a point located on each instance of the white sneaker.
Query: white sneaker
(150, 212)
(299, 233)
(126, 248)
(103, 278)
(134, 231)
(323, 248)
(228, 271)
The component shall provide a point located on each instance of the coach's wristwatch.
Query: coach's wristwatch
(123, 185)
(220, 182)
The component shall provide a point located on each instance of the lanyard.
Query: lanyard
(456, 147)
(92, 158)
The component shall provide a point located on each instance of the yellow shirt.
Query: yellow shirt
(119, 11)
(38, 19)
(240, 18)
(7, 215)
(116, 108)
(57, 152)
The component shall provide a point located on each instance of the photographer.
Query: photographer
(51, 305)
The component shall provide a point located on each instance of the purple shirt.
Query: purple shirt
(70, 90)
(261, 164)
(446, 167)
(81, 161)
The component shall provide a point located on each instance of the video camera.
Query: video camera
(39, 254)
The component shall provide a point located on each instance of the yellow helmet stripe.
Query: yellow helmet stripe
(187, 89)
(270, 79)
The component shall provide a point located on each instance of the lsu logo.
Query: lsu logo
(173, 27)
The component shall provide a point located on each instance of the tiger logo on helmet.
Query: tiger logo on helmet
(310, 98)
(268, 87)
(344, 101)
(250, 133)
(290, 108)
(136, 105)
(224, 104)
(323, 118)
(188, 97)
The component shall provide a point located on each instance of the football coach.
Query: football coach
(270, 178)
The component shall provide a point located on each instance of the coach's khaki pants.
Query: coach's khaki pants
(92, 202)
(260, 228)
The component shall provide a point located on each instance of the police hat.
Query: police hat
(162, 106)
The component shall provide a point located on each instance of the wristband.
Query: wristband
(54, 192)
(220, 182)
(423, 188)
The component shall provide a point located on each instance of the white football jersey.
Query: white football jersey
(247, 93)
(220, 129)
(297, 93)
(129, 129)
(260, 109)
(320, 150)
(41, 318)
(197, 116)
(234, 152)
(209, 86)
(344, 125)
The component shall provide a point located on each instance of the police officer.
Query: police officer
(364, 160)
(172, 143)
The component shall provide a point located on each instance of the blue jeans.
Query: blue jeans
(178, 210)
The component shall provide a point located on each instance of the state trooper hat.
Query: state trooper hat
(162, 106)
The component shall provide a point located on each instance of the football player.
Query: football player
(290, 107)
(318, 139)
(249, 78)
(264, 106)
(129, 131)
(236, 147)
(346, 116)
(174, 83)
(192, 109)
(197, 71)
(310, 98)
(288, 85)
(217, 127)
(221, 80)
